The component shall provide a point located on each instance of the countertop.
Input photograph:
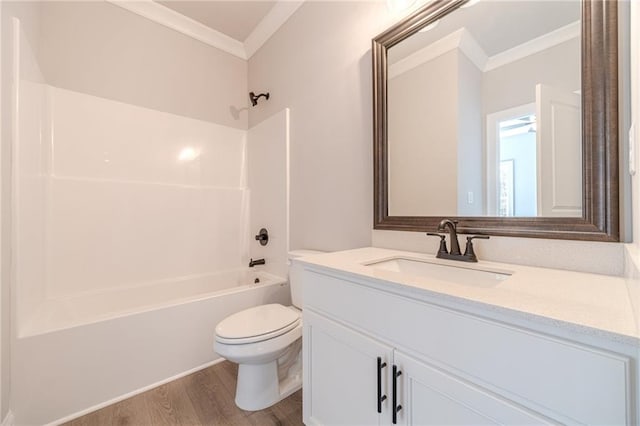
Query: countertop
(597, 305)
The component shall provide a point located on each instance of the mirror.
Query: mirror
(502, 114)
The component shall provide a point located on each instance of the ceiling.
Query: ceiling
(496, 25)
(237, 19)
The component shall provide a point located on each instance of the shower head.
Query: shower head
(254, 98)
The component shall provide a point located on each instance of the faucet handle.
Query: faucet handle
(443, 243)
(468, 250)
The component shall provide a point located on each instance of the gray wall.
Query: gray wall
(319, 65)
(514, 84)
(470, 147)
(423, 138)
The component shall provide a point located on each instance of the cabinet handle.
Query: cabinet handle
(396, 407)
(381, 397)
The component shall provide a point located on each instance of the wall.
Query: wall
(514, 84)
(100, 49)
(319, 65)
(423, 133)
(5, 340)
(635, 116)
(470, 156)
(435, 134)
(325, 78)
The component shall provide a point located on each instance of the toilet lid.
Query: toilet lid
(257, 323)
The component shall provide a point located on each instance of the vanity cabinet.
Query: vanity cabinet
(343, 371)
(345, 385)
(455, 367)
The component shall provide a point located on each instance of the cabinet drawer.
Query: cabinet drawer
(570, 382)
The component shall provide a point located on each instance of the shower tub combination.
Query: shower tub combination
(82, 353)
(128, 243)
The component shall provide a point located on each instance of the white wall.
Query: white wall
(103, 50)
(139, 195)
(29, 168)
(130, 197)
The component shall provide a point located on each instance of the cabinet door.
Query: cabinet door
(431, 396)
(341, 374)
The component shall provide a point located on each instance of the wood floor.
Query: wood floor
(202, 398)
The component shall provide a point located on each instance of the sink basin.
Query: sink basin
(440, 272)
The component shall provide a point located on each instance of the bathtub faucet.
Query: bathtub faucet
(253, 263)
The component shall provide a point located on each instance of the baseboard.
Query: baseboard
(8, 419)
(125, 396)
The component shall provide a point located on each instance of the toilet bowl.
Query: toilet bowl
(265, 341)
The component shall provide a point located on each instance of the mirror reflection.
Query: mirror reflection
(484, 113)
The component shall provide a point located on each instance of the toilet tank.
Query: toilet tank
(294, 274)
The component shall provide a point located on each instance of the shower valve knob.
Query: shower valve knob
(263, 237)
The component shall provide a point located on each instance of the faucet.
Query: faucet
(253, 263)
(451, 227)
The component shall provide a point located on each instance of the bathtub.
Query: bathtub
(81, 353)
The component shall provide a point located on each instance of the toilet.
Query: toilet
(265, 341)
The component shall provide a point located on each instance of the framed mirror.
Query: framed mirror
(502, 115)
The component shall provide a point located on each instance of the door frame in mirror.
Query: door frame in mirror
(600, 169)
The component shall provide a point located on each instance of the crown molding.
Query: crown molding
(170, 18)
(163, 15)
(534, 46)
(459, 39)
(463, 40)
(426, 54)
(276, 17)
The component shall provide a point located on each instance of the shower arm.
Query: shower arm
(254, 98)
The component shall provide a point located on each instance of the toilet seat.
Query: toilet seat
(257, 324)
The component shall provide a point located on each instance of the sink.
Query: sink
(441, 272)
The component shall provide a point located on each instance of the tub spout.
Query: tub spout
(253, 263)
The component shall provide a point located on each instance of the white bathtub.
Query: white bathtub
(80, 353)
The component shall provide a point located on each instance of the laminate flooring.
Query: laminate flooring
(202, 398)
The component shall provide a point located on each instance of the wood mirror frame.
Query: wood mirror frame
(599, 80)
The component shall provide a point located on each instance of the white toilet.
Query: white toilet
(266, 343)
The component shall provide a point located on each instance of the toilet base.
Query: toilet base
(259, 388)
(262, 385)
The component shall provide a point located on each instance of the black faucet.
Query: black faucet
(253, 263)
(450, 226)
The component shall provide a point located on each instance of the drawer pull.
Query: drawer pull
(381, 397)
(396, 407)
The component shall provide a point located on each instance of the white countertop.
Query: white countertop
(593, 304)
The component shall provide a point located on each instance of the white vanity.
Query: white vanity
(483, 343)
